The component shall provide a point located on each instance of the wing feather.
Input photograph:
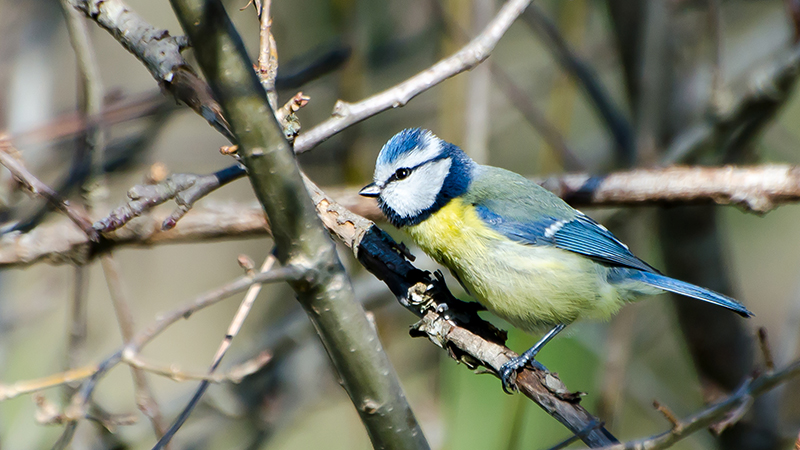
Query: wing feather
(579, 234)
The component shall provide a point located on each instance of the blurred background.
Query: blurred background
(574, 85)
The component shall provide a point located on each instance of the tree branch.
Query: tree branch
(743, 118)
(757, 189)
(35, 186)
(736, 403)
(326, 295)
(346, 114)
(160, 53)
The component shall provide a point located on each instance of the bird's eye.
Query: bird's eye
(402, 173)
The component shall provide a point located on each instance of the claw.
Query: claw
(508, 375)
(508, 372)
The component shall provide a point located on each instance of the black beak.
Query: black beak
(370, 190)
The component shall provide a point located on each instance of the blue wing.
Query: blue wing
(578, 234)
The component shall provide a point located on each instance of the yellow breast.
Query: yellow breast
(454, 232)
(533, 287)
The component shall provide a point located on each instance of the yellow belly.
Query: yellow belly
(532, 287)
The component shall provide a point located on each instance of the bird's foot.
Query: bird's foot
(509, 370)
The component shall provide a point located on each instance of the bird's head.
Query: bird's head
(416, 174)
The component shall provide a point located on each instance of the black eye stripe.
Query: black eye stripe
(396, 177)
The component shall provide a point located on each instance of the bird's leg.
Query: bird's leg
(508, 371)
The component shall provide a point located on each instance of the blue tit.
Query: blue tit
(517, 248)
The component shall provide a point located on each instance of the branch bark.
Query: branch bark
(757, 188)
(325, 293)
(160, 53)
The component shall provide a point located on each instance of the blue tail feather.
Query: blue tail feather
(689, 290)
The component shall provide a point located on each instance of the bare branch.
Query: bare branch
(233, 330)
(160, 53)
(9, 391)
(77, 407)
(60, 242)
(268, 52)
(145, 399)
(35, 186)
(734, 403)
(742, 118)
(234, 375)
(757, 188)
(346, 114)
(117, 111)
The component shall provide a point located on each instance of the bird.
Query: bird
(518, 249)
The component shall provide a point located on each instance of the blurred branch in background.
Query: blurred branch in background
(518, 97)
(718, 416)
(721, 346)
(94, 188)
(616, 122)
(346, 114)
(757, 189)
(730, 130)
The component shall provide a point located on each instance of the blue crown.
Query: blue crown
(402, 143)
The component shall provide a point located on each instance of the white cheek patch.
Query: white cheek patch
(415, 194)
(429, 148)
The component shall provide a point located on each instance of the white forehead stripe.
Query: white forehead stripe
(417, 193)
(430, 147)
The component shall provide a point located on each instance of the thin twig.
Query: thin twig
(9, 391)
(141, 339)
(668, 414)
(145, 399)
(713, 413)
(268, 52)
(346, 114)
(234, 375)
(129, 352)
(35, 186)
(233, 330)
